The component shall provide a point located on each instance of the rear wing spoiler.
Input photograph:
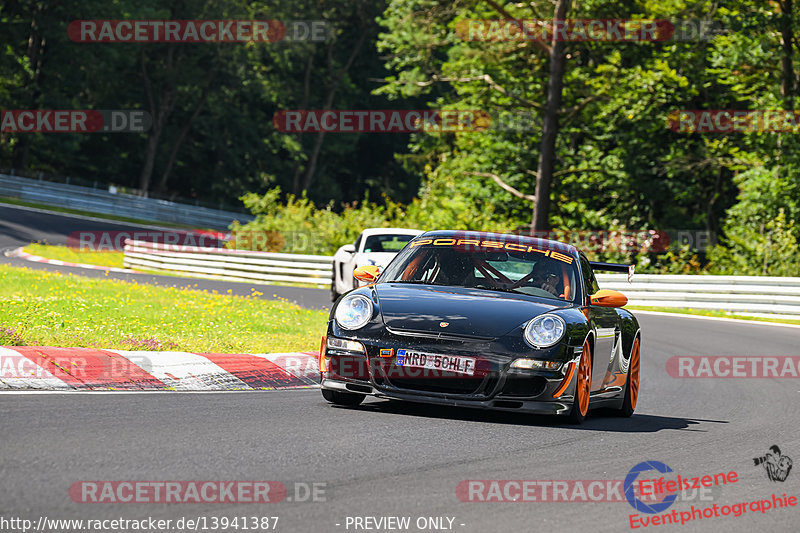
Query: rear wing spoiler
(613, 267)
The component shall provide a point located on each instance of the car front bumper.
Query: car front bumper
(497, 387)
(549, 407)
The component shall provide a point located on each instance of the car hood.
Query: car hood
(467, 312)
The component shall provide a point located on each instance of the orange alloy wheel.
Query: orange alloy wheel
(633, 373)
(584, 384)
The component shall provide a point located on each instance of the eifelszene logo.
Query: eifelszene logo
(630, 486)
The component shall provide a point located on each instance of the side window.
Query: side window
(358, 243)
(589, 281)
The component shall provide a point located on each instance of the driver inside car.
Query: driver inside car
(455, 269)
(544, 276)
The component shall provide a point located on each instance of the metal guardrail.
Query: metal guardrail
(751, 295)
(230, 265)
(125, 205)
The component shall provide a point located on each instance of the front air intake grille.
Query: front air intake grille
(524, 386)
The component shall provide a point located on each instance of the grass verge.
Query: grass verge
(39, 308)
(710, 312)
(73, 255)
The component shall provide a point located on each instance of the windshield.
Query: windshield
(386, 243)
(488, 268)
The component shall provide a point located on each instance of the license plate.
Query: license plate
(445, 363)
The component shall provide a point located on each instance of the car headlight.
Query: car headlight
(545, 330)
(535, 364)
(353, 311)
(344, 344)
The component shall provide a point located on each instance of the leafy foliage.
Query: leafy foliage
(617, 164)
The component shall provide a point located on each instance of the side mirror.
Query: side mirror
(367, 273)
(608, 298)
(349, 248)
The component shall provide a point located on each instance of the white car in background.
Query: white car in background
(375, 246)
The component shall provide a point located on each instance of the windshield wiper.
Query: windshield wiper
(550, 296)
(482, 287)
(499, 289)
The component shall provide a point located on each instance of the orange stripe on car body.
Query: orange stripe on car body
(321, 359)
(567, 379)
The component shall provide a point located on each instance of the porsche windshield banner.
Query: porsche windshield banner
(493, 245)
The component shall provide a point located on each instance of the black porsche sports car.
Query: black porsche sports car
(484, 320)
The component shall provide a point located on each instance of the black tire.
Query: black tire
(631, 397)
(349, 399)
(576, 414)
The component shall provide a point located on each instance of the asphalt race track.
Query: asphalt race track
(21, 225)
(392, 459)
(388, 459)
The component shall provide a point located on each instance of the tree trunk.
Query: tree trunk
(35, 52)
(547, 148)
(336, 79)
(160, 115)
(298, 169)
(162, 184)
(149, 159)
(22, 154)
(787, 70)
(716, 192)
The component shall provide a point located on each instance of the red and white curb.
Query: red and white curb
(48, 368)
(19, 253)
